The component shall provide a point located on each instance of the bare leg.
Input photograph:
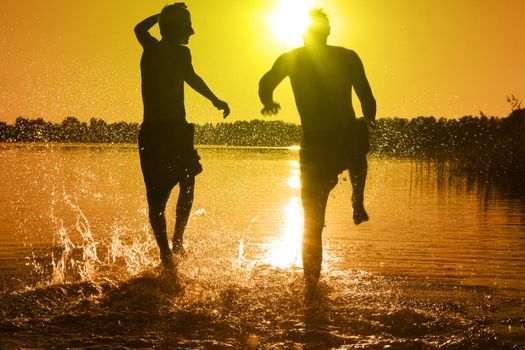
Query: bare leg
(358, 170)
(314, 205)
(157, 219)
(184, 204)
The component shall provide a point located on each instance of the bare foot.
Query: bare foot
(360, 215)
(178, 249)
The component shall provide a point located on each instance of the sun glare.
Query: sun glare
(287, 251)
(289, 21)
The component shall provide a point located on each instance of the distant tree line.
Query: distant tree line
(492, 146)
(69, 130)
(240, 133)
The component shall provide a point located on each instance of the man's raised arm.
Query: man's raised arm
(269, 82)
(142, 30)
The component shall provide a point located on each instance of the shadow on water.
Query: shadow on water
(266, 310)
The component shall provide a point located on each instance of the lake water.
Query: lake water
(440, 264)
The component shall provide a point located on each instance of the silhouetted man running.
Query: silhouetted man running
(322, 78)
(167, 153)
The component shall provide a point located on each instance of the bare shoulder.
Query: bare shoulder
(296, 51)
(285, 60)
(345, 52)
(290, 55)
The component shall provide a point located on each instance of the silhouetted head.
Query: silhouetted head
(319, 28)
(175, 23)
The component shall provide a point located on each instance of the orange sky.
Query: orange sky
(445, 58)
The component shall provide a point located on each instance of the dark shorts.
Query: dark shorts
(167, 156)
(325, 154)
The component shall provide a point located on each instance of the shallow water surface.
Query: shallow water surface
(440, 265)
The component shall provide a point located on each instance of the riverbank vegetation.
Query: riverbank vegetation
(489, 146)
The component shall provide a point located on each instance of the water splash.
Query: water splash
(132, 254)
(78, 257)
(76, 261)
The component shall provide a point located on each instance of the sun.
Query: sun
(289, 20)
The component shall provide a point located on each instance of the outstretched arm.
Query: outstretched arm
(198, 84)
(363, 91)
(269, 82)
(142, 30)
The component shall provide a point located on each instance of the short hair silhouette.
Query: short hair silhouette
(319, 27)
(173, 18)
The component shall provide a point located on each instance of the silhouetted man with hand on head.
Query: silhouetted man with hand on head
(167, 153)
(322, 78)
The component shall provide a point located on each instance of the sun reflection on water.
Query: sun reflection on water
(294, 182)
(294, 164)
(286, 251)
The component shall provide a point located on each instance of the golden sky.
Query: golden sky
(446, 58)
